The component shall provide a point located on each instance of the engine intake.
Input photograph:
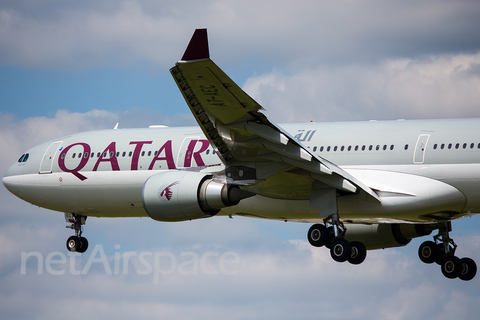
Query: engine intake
(184, 195)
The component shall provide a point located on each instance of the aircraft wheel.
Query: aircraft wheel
(451, 267)
(428, 252)
(317, 235)
(73, 243)
(83, 245)
(469, 269)
(330, 237)
(358, 252)
(341, 250)
(441, 254)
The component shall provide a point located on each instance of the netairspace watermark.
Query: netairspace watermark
(144, 263)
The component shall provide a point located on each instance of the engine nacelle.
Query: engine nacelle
(184, 195)
(379, 236)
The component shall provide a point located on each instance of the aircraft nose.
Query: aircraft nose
(9, 180)
(9, 183)
(15, 169)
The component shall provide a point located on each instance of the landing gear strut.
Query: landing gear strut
(442, 251)
(331, 235)
(76, 243)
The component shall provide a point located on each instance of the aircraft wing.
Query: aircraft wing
(253, 149)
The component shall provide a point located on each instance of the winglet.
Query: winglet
(197, 47)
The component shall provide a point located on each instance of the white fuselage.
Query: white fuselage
(101, 173)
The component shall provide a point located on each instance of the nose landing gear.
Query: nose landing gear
(76, 243)
(442, 251)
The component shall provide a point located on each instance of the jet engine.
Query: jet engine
(184, 195)
(378, 236)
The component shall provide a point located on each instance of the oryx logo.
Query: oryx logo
(167, 192)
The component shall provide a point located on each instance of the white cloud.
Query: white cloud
(293, 280)
(276, 278)
(445, 86)
(17, 135)
(279, 32)
(340, 61)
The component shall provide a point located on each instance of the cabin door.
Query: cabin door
(420, 148)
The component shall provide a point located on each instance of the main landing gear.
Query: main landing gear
(442, 252)
(76, 243)
(331, 235)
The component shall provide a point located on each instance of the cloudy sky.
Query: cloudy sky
(69, 66)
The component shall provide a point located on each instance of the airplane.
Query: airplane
(363, 185)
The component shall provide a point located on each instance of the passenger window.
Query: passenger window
(124, 154)
(98, 155)
(442, 146)
(384, 147)
(143, 153)
(93, 154)
(457, 145)
(118, 154)
(321, 149)
(314, 149)
(356, 148)
(208, 151)
(363, 148)
(370, 148)
(435, 146)
(449, 146)
(349, 148)
(464, 146)
(335, 148)
(74, 155)
(378, 147)
(149, 153)
(130, 154)
(391, 147)
(86, 154)
(328, 149)
(472, 145)
(63, 156)
(406, 147)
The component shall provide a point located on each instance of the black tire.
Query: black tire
(73, 243)
(83, 245)
(317, 235)
(428, 252)
(451, 267)
(358, 252)
(341, 250)
(469, 269)
(441, 254)
(330, 236)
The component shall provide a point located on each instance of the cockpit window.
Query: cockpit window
(24, 157)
